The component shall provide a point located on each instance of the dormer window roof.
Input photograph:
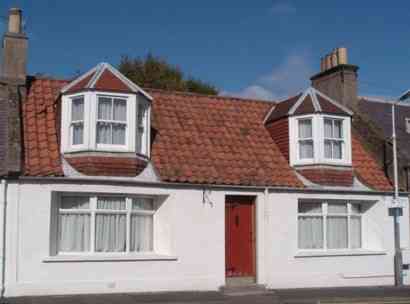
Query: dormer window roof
(104, 111)
(318, 129)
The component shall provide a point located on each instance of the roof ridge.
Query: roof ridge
(184, 93)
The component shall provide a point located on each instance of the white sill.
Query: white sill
(109, 258)
(329, 253)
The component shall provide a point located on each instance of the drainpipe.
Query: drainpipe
(3, 203)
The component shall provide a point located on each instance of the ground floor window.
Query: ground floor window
(104, 223)
(329, 225)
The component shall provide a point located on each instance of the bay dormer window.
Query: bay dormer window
(320, 139)
(103, 111)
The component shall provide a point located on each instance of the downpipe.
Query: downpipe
(3, 198)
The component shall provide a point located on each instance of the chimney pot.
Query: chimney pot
(322, 64)
(15, 21)
(334, 58)
(328, 63)
(342, 55)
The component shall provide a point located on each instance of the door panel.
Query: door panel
(239, 236)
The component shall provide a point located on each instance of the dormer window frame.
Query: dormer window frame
(318, 133)
(91, 102)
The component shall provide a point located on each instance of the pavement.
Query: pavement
(357, 295)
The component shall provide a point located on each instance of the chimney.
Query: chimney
(14, 48)
(337, 78)
(12, 94)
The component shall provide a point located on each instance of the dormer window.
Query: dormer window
(318, 129)
(107, 119)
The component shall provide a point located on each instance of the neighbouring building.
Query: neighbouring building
(109, 187)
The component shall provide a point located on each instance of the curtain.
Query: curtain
(306, 149)
(118, 134)
(328, 149)
(328, 128)
(355, 232)
(337, 129)
(141, 121)
(111, 203)
(305, 128)
(142, 204)
(310, 234)
(110, 230)
(336, 232)
(74, 232)
(340, 208)
(77, 112)
(103, 133)
(75, 202)
(78, 133)
(104, 108)
(141, 233)
(337, 150)
(120, 110)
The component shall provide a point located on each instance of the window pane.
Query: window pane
(356, 208)
(118, 134)
(110, 232)
(337, 208)
(141, 233)
(104, 108)
(328, 149)
(355, 232)
(305, 128)
(78, 133)
(74, 232)
(306, 149)
(75, 202)
(77, 109)
(142, 204)
(328, 128)
(310, 232)
(305, 207)
(120, 110)
(336, 232)
(111, 203)
(337, 129)
(337, 150)
(103, 133)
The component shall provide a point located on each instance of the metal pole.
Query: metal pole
(398, 261)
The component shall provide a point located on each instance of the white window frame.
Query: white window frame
(325, 214)
(90, 124)
(407, 122)
(93, 211)
(318, 121)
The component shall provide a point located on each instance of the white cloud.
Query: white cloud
(282, 8)
(286, 79)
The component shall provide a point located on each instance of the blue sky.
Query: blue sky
(261, 48)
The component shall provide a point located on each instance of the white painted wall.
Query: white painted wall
(192, 230)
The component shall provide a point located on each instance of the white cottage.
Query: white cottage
(108, 187)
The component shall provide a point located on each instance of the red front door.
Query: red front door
(239, 236)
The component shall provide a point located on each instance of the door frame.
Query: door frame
(252, 200)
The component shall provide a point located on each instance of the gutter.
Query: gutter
(130, 182)
(3, 204)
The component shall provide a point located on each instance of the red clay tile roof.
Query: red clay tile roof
(107, 166)
(216, 140)
(41, 149)
(366, 168)
(329, 177)
(199, 139)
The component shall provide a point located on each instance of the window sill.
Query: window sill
(109, 258)
(311, 254)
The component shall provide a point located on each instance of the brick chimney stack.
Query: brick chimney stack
(14, 48)
(337, 78)
(13, 79)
